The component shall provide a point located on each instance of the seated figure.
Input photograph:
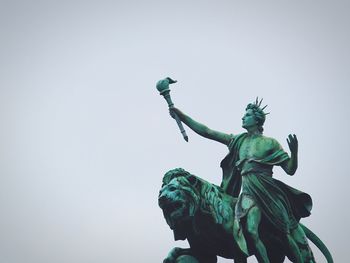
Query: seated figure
(247, 175)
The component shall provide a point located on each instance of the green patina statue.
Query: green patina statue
(251, 213)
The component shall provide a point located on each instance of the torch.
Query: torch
(163, 88)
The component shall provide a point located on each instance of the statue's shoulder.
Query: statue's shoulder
(271, 142)
(235, 138)
(239, 136)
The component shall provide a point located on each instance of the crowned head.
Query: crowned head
(254, 117)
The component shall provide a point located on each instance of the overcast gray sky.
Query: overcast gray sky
(85, 137)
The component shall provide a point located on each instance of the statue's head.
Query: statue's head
(254, 117)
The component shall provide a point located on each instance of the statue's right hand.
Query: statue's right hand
(293, 143)
(173, 111)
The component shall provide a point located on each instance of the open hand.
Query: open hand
(293, 143)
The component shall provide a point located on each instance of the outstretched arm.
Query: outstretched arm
(291, 165)
(201, 129)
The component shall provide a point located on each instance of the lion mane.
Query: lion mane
(201, 198)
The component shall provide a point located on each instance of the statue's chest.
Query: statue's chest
(255, 148)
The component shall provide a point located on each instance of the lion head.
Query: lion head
(178, 197)
(183, 196)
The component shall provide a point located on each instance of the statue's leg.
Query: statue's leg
(299, 236)
(186, 259)
(205, 258)
(253, 221)
(240, 260)
(294, 249)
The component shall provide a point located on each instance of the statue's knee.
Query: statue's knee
(252, 232)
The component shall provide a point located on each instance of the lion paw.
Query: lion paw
(168, 260)
(173, 254)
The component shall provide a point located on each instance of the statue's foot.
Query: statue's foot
(181, 259)
(186, 259)
(176, 253)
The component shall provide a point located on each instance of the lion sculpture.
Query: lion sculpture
(203, 214)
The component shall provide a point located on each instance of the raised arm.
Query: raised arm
(290, 165)
(201, 129)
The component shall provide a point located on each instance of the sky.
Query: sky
(86, 139)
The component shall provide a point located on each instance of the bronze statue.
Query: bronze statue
(261, 202)
(203, 214)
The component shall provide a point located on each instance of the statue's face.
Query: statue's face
(248, 120)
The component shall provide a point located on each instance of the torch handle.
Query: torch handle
(166, 95)
(181, 127)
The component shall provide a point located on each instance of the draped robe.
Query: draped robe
(280, 204)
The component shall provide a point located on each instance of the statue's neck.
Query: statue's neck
(254, 133)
